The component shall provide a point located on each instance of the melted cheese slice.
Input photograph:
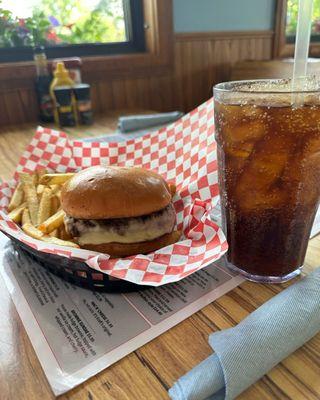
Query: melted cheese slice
(104, 236)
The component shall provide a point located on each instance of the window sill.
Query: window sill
(287, 50)
(95, 68)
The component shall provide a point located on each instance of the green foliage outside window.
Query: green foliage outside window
(55, 22)
(292, 17)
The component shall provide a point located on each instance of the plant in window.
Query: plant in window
(81, 23)
(12, 30)
(292, 17)
(64, 22)
(30, 31)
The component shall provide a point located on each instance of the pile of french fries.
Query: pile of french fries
(35, 205)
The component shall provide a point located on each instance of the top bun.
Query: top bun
(114, 192)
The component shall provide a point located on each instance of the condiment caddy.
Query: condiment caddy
(63, 99)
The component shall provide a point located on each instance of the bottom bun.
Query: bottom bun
(116, 250)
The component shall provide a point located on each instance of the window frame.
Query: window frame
(281, 48)
(134, 19)
(158, 56)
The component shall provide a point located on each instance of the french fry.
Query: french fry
(55, 204)
(25, 217)
(17, 197)
(55, 188)
(60, 242)
(44, 206)
(35, 205)
(52, 222)
(55, 233)
(30, 230)
(55, 179)
(25, 178)
(40, 189)
(56, 192)
(35, 178)
(29, 178)
(32, 201)
(16, 214)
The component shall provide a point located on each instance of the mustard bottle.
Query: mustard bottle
(61, 77)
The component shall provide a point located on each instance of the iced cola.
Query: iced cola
(269, 176)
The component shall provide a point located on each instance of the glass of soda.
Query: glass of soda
(268, 139)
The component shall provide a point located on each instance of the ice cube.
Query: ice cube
(299, 121)
(237, 156)
(304, 162)
(259, 184)
(229, 113)
(262, 171)
(312, 148)
(252, 200)
(303, 177)
(253, 112)
(240, 150)
(244, 132)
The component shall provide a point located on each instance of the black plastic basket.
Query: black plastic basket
(77, 272)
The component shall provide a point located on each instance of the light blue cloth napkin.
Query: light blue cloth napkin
(136, 122)
(245, 353)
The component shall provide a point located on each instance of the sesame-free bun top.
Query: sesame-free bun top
(114, 192)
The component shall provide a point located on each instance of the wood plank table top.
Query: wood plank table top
(151, 370)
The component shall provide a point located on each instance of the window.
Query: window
(70, 28)
(286, 25)
(292, 18)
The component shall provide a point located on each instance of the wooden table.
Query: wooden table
(150, 371)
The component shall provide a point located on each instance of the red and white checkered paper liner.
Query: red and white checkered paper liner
(183, 153)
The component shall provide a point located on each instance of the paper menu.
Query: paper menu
(77, 333)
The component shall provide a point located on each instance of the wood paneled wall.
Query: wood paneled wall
(200, 61)
(207, 58)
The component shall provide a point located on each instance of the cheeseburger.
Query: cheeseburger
(119, 211)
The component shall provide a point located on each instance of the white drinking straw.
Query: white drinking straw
(302, 43)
